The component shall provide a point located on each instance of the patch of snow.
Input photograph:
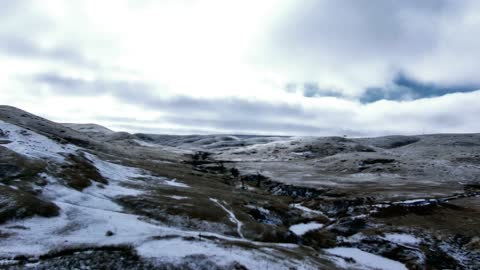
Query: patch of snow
(175, 197)
(146, 144)
(86, 216)
(304, 154)
(79, 225)
(303, 228)
(76, 225)
(93, 196)
(268, 217)
(6, 262)
(231, 215)
(122, 173)
(361, 216)
(356, 238)
(412, 201)
(402, 238)
(260, 209)
(31, 265)
(306, 209)
(93, 128)
(34, 145)
(174, 183)
(173, 250)
(416, 202)
(364, 260)
(114, 171)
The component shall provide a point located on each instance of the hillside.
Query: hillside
(74, 195)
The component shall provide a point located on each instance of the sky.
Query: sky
(279, 67)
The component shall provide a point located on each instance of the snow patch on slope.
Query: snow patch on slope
(79, 225)
(59, 193)
(364, 260)
(173, 250)
(306, 209)
(402, 238)
(34, 145)
(174, 183)
(118, 173)
(231, 215)
(303, 228)
(114, 171)
(178, 198)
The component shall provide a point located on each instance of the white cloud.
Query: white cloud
(141, 61)
(353, 45)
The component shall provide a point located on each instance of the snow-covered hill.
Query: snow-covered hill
(89, 128)
(86, 219)
(84, 197)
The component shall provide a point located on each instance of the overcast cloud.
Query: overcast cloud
(288, 67)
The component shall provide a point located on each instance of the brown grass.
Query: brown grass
(20, 204)
(80, 173)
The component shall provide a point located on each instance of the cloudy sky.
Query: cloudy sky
(290, 67)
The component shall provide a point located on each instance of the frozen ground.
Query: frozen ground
(73, 195)
(427, 166)
(302, 228)
(31, 144)
(364, 260)
(92, 217)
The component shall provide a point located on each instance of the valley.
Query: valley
(86, 197)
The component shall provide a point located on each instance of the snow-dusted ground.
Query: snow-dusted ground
(231, 216)
(34, 145)
(306, 209)
(402, 238)
(364, 260)
(175, 183)
(89, 128)
(178, 198)
(122, 174)
(303, 228)
(146, 144)
(80, 225)
(86, 216)
(252, 259)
